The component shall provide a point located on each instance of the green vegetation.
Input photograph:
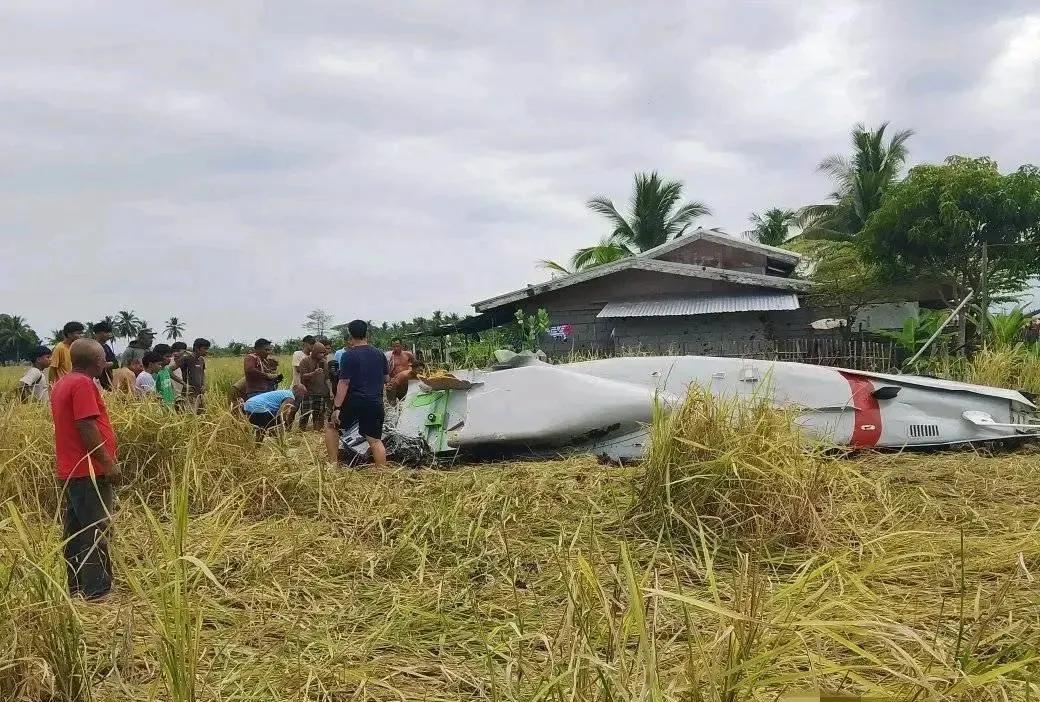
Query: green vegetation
(532, 327)
(174, 328)
(937, 221)
(733, 565)
(773, 227)
(657, 215)
(127, 324)
(861, 182)
(1006, 329)
(917, 331)
(17, 338)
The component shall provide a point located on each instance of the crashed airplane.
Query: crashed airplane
(603, 407)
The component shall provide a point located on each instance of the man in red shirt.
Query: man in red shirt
(85, 448)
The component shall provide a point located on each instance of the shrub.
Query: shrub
(740, 468)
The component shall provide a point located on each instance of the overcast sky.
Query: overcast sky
(238, 167)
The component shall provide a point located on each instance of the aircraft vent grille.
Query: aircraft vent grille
(924, 431)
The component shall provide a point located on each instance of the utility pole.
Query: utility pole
(984, 293)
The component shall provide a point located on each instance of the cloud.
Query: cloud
(238, 165)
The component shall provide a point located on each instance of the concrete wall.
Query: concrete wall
(703, 334)
(697, 334)
(887, 315)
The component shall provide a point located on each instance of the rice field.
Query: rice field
(733, 565)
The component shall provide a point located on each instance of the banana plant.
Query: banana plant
(916, 331)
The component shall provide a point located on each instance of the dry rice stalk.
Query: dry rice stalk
(738, 467)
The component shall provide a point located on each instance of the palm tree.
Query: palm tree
(174, 329)
(861, 183)
(16, 337)
(553, 267)
(656, 214)
(606, 251)
(772, 227)
(127, 324)
(56, 337)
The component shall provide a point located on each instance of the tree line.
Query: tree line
(18, 338)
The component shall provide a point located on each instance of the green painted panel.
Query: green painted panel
(426, 398)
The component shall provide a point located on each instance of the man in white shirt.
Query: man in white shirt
(306, 344)
(34, 383)
(144, 385)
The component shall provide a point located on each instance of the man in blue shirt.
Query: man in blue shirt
(270, 410)
(363, 372)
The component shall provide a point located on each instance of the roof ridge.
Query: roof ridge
(777, 281)
(721, 237)
(652, 264)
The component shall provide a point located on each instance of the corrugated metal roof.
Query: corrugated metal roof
(708, 303)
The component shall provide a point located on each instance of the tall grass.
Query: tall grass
(738, 467)
(1016, 367)
(48, 659)
(164, 581)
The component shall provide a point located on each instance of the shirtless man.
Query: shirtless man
(400, 361)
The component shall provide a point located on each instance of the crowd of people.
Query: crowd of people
(171, 374)
(339, 395)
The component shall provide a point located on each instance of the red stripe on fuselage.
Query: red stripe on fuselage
(866, 429)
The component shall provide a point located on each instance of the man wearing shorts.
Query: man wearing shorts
(273, 409)
(363, 374)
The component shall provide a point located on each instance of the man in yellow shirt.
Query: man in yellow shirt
(61, 358)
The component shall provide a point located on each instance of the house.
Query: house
(694, 294)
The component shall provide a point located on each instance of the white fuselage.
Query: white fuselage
(605, 406)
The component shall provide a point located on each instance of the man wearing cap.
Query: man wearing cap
(137, 348)
(260, 369)
(34, 383)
